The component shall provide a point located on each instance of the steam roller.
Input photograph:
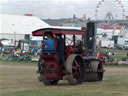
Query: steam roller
(80, 63)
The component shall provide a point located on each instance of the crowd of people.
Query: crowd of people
(10, 52)
(107, 55)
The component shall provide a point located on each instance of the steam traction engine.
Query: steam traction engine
(80, 61)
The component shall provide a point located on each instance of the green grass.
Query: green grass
(20, 79)
(18, 62)
(63, 93)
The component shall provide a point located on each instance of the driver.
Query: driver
(60, 47)
(49, 43)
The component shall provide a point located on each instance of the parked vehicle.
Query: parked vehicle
(122, 43)
(107, 43)
(126, 44)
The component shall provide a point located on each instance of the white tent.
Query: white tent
(15, 27)
(7, 43)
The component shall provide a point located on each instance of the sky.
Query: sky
(55, 9)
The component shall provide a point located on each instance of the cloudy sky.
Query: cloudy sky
(55, 9)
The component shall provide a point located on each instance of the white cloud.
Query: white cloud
(53, 8)
(2, 2)
(69, 1)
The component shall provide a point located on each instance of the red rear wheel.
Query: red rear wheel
(75, 66)
(76, 69)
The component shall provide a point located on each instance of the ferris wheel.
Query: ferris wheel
(109, 10)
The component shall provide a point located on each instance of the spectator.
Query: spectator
(11, 51)
(105, 52)
(99, 55)
(109, 56)
(114, 52)
(1, 49)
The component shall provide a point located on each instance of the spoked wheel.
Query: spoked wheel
(75, 68)
(100, 72)
(40, 65)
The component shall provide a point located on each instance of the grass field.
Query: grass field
(20, 79)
